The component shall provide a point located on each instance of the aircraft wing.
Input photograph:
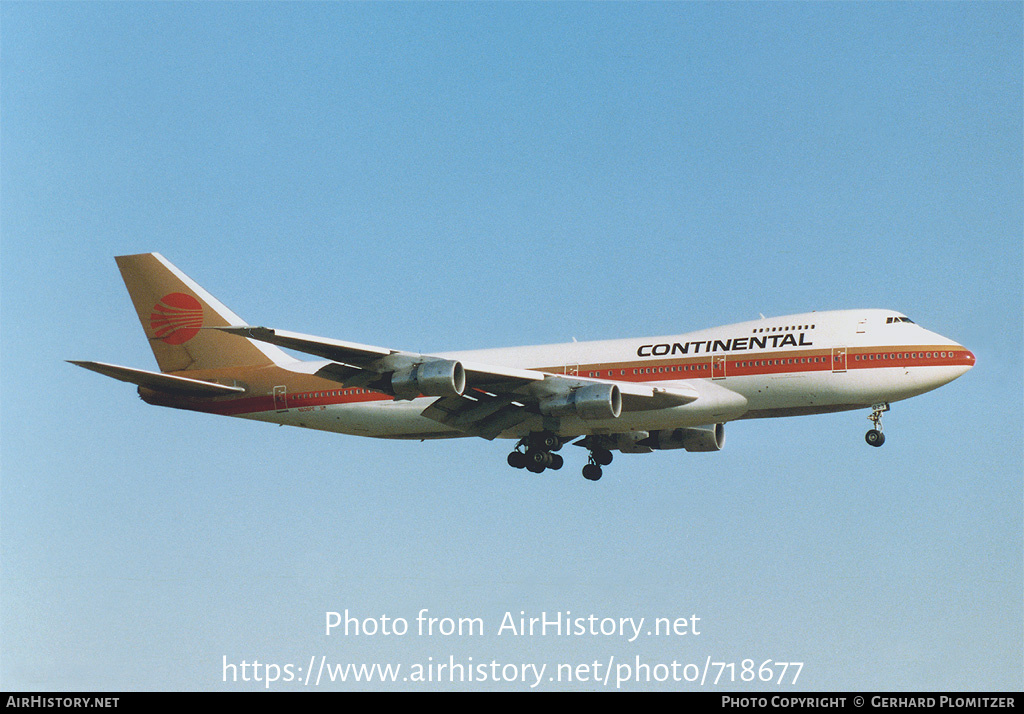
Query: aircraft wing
(335, 350)
(479, 399)
(503, 403)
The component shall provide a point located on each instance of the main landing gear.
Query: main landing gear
(599, 456)
(875, 437)
(535, 454)
(538, 453)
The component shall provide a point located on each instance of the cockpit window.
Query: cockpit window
(891, 320)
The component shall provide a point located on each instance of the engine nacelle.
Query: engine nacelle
(437, 378)
(633, 442)
(594, 401)
(696, 438)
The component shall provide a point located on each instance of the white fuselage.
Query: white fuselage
(798, 364)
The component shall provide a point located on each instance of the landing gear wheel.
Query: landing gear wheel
(535, 457)
(517, 460)
(875, 437)
(556, 462)
(544, 441)
(603, 457)
(592, 472)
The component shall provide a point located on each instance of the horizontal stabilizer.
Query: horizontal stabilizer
(162, 382)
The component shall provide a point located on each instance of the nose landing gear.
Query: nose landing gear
(875, 437)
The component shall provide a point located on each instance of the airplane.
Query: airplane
(627, 395)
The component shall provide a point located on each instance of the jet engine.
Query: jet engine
(634, 442)
(593, 401)
(697, 438)
(436, 378)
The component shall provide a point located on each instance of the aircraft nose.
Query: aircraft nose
(962, 362)
(956, 364)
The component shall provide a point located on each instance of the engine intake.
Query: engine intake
(594, 401)
(437, 378)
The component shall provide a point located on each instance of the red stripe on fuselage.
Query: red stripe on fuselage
(746, 365)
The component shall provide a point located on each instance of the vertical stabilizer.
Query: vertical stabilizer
(173, 309)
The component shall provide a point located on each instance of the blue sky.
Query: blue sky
(452, 176)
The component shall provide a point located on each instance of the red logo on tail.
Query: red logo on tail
(176, 319)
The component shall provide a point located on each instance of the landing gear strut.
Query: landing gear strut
(534, 453)
(875, 437)
(599, 456)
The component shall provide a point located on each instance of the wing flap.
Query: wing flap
(484, 415)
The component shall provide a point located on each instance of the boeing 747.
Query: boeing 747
(626, 395)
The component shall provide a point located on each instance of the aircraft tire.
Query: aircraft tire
(875, 437)
(592, 472)
(547, 442)
(538, 457)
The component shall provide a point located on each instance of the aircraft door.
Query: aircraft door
(718, 367)
(281, 398)
(838, 359)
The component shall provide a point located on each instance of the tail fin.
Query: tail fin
(173, 308)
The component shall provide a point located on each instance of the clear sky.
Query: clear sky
(435, 176)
